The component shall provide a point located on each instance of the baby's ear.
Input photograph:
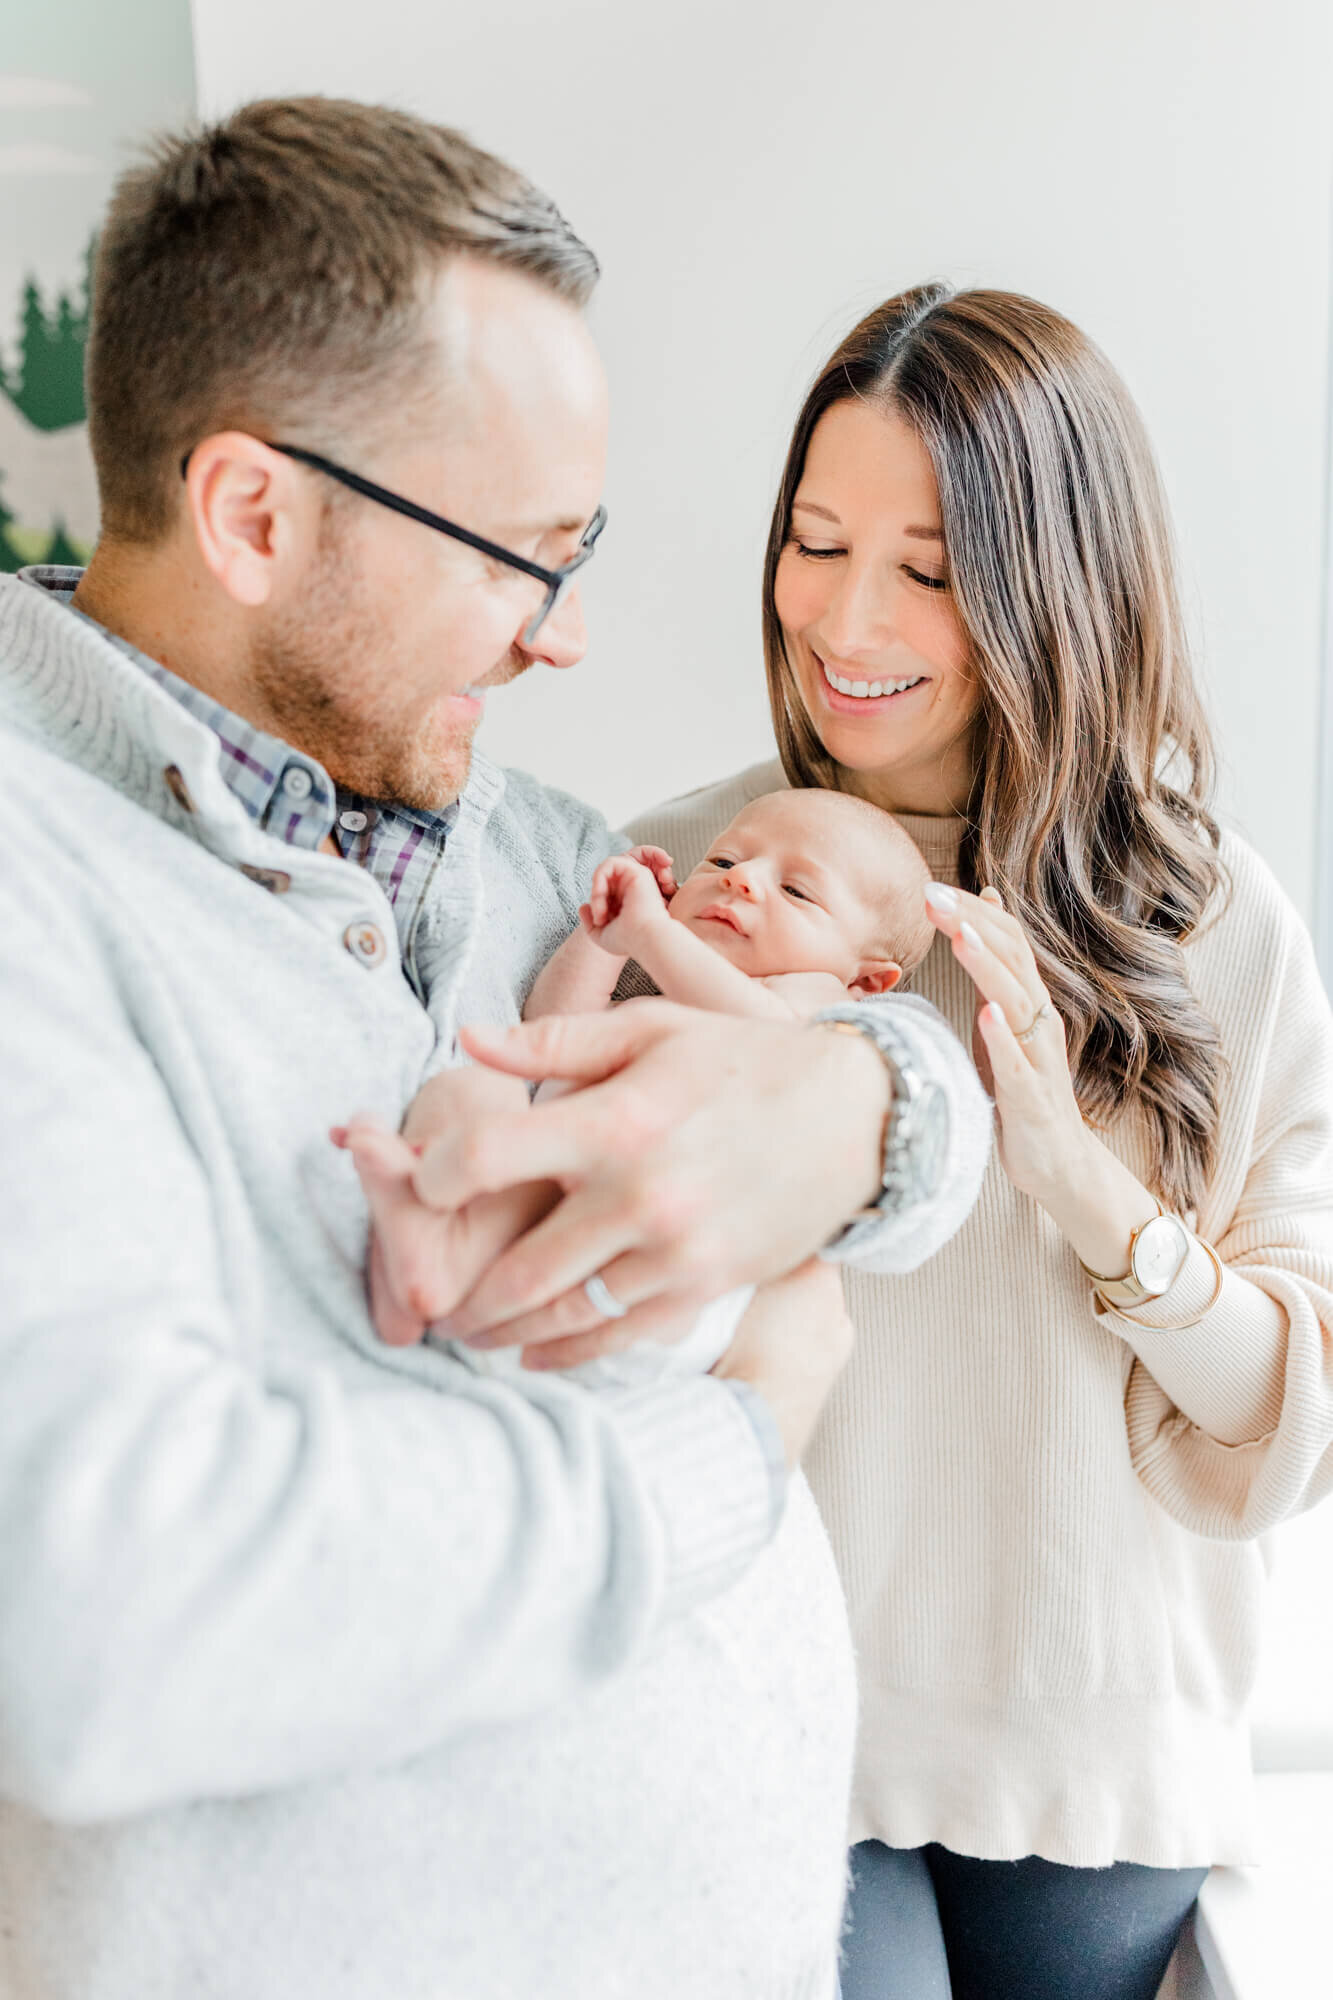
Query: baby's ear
(877, 975)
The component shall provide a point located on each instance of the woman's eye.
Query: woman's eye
(815, 555)
(929, 582)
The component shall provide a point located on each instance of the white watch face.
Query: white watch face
(1159, 1251)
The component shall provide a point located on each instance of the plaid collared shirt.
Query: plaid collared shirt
(293, 797)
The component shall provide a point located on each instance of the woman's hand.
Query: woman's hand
(1042, 1134)
(1019, 1045)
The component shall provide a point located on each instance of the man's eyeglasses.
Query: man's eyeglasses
(557, 581)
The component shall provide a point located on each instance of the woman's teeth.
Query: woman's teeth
(867, 690)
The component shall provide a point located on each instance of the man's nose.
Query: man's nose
(562, 639)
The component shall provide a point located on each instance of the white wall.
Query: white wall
(754, 173)
(754, 176)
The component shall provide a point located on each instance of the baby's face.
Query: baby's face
(781, 891)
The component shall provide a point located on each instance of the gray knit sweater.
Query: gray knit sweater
(327, 1669)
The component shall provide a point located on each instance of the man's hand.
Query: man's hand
(422, 1261)
(629, 893)
(701, 1153)
(792, 1345)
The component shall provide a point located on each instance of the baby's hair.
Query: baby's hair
(901, 903)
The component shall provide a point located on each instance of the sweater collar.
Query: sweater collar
(97, 702)
(939, 840)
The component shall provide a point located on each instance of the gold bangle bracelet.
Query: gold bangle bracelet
(1184, 1325)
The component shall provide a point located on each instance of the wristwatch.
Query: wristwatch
(1157, 1252)
(916, 1131)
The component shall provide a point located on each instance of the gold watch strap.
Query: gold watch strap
(1195, 1319)
(1125, 1289)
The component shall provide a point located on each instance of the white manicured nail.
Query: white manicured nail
(971, 938)
(941, 897)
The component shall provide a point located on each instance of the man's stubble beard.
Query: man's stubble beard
(319, 672)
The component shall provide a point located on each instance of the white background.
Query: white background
(753, 177)
(755, 173)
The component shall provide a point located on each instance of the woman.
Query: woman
(1044, 1486)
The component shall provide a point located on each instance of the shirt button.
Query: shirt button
(353, 822)
(297, 782)
(366, 943)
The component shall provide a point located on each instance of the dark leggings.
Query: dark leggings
(926, 1924)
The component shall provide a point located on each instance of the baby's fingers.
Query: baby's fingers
(395, 1324)
(662, 866)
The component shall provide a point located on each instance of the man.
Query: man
(328, 1668)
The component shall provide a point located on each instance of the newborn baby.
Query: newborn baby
(807, 897)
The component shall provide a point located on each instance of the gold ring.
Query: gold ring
(1043, 1012)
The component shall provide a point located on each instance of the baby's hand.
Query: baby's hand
(422, 1260)
(629, 893)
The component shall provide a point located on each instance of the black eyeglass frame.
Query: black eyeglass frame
(557, 581)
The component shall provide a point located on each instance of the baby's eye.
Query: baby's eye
(719, 861)
(799, 894)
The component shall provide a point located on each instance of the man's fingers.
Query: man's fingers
(543, 1273)
(551, 1142)
(663, 1319)
(561, 1137)
(584, 1047)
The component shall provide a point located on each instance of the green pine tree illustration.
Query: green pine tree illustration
(50, 388)
(63, 551)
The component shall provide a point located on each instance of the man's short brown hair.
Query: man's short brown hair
(268, 274)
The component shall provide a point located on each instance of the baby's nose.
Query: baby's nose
(742, 882)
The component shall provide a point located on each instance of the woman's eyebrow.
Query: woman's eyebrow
(916, 534)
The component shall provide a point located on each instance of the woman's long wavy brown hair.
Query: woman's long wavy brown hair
(1093, 768)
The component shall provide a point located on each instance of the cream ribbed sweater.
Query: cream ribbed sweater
(1046, 1521)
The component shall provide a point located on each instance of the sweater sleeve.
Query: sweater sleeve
(1231, 1421)
(900, 1242)
(224, 1571)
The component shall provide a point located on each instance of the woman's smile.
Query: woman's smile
(850, 693)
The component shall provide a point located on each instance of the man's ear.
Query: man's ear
(246, 507)
(876, 975)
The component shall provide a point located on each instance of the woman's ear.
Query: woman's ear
(876, 975)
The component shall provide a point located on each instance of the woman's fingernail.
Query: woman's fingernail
(941, 897)
(995, 1014)
(971, 938)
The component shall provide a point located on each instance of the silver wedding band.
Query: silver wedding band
(1043, 1012)
(602, 1299)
